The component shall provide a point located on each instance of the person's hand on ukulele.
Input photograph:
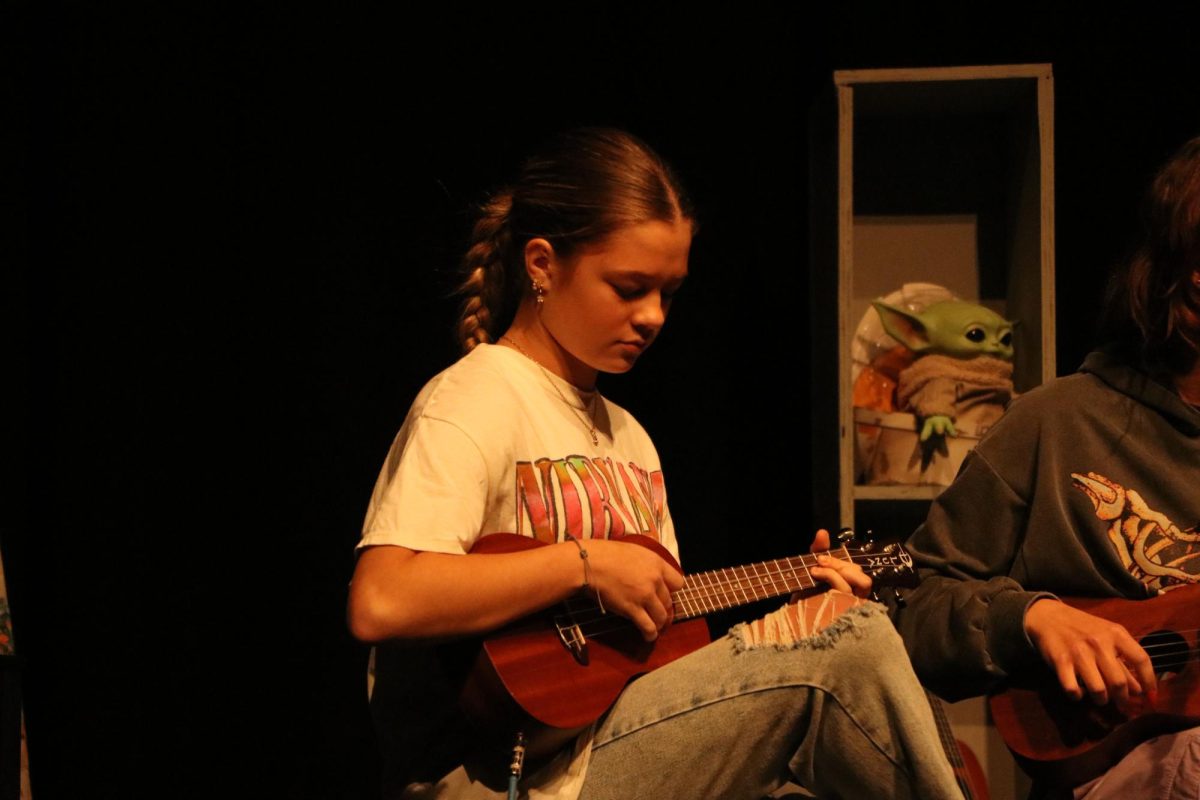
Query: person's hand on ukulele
(634, 582)
(841, 575)
(1089, 653)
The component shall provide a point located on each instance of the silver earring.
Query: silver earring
(540, 292)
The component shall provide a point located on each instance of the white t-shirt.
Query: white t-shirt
(497, 444)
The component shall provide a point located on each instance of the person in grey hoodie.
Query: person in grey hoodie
(1087, 486)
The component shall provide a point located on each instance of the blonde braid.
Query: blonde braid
(483, 287)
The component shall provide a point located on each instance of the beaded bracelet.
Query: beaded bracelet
(587, 572)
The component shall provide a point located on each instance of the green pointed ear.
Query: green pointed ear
(903, 327)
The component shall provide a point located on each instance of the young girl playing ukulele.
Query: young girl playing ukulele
(571, 272)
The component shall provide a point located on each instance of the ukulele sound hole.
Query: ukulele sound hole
(1168, 652)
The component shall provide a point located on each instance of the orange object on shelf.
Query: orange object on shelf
(875, 387)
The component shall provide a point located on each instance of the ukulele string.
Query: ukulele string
(720, 592)
(1181, 631)
(1174, 644)
(1182, 654)
(704, 586)
(1168, 645)
(1173, 649)
(773, 569)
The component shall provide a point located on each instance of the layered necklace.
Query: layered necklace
(589, 421)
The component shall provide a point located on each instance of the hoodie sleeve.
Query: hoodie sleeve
(963, 625)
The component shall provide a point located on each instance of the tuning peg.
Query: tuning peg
(846, 536)
(900, 601)
(869, 535)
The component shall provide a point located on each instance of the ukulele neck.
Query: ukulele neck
(706, 592)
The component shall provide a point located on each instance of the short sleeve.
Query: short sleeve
(668, 540)
(432, 493)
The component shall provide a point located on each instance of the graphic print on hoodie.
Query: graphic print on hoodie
(1152, 547)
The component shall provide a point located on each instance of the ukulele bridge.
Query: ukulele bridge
(573, 639)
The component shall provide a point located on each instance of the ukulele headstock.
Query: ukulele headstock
(886, 564)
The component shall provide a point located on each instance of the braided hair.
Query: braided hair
(584, 186)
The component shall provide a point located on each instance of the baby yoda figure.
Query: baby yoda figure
(963, 369)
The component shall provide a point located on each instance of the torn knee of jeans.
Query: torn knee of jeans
(816, 622)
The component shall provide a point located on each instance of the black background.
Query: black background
(235, 229)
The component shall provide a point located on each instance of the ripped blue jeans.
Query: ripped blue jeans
(831, 704)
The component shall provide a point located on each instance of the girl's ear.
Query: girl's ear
(539, 257)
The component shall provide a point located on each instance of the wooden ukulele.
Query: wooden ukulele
(564, 667)
(1062, 742)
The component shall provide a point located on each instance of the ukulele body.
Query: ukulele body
(1065, 742)
(526, 672)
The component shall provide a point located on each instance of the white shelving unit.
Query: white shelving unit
(946, 176)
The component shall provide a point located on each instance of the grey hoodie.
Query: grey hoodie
(1087, 486)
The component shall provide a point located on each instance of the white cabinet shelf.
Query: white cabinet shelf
(944, 176)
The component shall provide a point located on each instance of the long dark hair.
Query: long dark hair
(1152, 307)
(584, 186)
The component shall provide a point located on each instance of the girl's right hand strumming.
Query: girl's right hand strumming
(398, 593)
(1089, 654)
(634, 582)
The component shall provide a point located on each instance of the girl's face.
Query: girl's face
(607, 303)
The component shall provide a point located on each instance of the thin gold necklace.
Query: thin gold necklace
(590, 421)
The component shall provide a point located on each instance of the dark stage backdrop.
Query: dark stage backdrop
(232, 273)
